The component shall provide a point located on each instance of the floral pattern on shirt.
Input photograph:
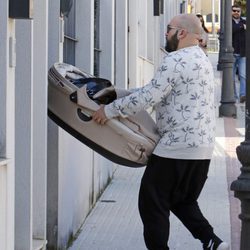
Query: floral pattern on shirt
(182, 94)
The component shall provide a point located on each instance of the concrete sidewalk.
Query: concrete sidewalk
(114, 223)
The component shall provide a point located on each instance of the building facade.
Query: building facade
(49, 181)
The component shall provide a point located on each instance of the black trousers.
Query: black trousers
(172, 185)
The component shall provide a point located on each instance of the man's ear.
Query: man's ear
(182, 33)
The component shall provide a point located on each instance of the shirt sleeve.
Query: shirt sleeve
(146, 96)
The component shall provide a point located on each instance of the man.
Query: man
(182, 93)
(239, 45)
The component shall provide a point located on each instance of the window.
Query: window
(97, 38)
(69, 36)
(145, 29)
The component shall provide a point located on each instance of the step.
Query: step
(39, 244)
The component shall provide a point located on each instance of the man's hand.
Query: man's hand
(99, 116)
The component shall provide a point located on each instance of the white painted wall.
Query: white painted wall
(133, 76)
(31, 129)
(144, 40)
(40, 59)
(9, 139)
(54, 55)
(76, 175)
(7, 133)
(75, 185)
(3, 206)
(85, 26)
(24, 135)
(121, 44)
(107, 8)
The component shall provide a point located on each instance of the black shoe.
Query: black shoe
(242, 99)
(213, 245)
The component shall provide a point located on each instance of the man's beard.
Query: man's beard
(172, 43)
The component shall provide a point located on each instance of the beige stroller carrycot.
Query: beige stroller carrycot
(74, 95)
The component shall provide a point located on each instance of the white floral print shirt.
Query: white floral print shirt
(182, 94)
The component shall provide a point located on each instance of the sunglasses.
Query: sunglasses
(169, 27)
(236, 11)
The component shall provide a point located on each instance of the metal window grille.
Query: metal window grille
(158, 7)
(69, 35)
(97, 38)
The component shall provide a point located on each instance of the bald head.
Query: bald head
(190, 22)
(184, 30)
